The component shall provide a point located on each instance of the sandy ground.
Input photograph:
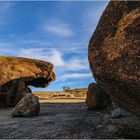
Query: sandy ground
(61, 97)
(67, 120)
(64, 115)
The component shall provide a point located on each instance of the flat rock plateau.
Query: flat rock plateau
(67, 120)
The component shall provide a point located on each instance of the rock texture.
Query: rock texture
(28, 106)
(68, 121)
(12, 92)
(96, 97)
(114, 53)
(16, 74)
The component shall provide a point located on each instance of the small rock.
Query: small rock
(96, 97)
(119, 112)
(28, 106)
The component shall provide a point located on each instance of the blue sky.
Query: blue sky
(55, 31)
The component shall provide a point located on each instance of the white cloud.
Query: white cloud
(62, 66)
(75, 76)
(76, 64)
(52, 56)
(73, 47)
(55, 57)
(58, 28)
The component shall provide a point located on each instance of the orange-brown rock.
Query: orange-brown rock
(114, 53)
(16, 74)
(28, 106)
(96, 97)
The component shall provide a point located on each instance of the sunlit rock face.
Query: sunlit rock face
(16, 74)
(114, 53)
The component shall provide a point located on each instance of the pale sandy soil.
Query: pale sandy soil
(67, 120)
(62, 101)
(61, 97)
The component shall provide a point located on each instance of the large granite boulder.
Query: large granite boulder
(28, 106)
(16, 74)
(114, 53)
(96, 97)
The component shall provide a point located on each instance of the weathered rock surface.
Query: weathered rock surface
(28, 106)
(114, 53)
(12, 92)
(16, 74)
(96, 97)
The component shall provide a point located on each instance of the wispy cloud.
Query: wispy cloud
(92, 16)
(4, 49)
(52, 55)
(75, 76)
(36, 42)
(5, 8)
(58, 28)
(76, 64)
(63, 67)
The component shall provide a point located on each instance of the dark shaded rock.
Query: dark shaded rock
(16, 74)
(96, 97)
(12, 92)
(28, 106)
(114, 53)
